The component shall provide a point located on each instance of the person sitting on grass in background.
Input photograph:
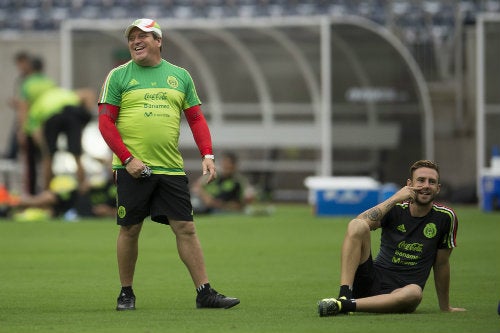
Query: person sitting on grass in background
(58, 201)
(417, 235)
(99, 200)
(224, 194)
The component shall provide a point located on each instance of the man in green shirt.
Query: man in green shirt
(140, 109)
(34, 84)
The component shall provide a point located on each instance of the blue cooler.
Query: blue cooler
(340, 196)
(386, 191)
(490, 192)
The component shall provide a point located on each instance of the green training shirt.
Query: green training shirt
(151, 101)
(35, 85)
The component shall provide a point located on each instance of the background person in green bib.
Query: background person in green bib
(140, 109)
(58, 111)
(45, 111)
(33, 84)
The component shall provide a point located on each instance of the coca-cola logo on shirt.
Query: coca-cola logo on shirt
(159, 96)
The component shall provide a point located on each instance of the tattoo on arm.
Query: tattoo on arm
(389, 205)
(374, 214)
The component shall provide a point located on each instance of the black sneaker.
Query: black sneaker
(125, 302)
(212, 299)
(329, 307)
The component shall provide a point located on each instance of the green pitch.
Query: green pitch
(61, 277)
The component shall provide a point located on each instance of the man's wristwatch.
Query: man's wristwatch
(212, 157)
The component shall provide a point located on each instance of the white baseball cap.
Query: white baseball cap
(146, 25)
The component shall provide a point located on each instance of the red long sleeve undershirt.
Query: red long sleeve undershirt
(200, 130)
(108, 114)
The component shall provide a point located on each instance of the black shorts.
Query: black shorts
(371, 280)
(163, 197)
(70, 122)
(366, 282)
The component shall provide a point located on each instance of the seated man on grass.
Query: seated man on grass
(417, 235)
(224, 194)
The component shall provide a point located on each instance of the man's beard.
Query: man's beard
(426, 202)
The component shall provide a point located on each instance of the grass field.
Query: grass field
(61, 277)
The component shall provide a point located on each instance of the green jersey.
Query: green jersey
(151, 101)
(34, 86)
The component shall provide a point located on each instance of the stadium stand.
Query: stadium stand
(48, 14)
(415, 22)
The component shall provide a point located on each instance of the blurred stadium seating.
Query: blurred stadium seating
(412, 17)
(416, 23)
